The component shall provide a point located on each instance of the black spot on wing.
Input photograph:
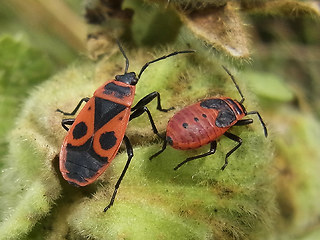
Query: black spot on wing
(169, 140)
(105, 110)
(79, 130)
(107, 140)
(116, 90)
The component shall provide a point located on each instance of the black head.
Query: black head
(128, 78)
(242, 107)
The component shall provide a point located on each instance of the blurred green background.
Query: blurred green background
(39, 39)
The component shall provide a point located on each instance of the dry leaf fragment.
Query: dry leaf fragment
(220, 27)
(286, 8)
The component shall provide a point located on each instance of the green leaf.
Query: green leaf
(264, 85)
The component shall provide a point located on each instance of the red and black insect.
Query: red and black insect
(204, 122)
(97, 132)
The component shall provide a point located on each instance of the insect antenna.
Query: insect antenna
(125, 56)
(234, 81)
(161, 58)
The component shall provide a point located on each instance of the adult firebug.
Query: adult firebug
(97, 132)
(204, 122)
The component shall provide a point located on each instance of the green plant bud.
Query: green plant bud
(196, 202)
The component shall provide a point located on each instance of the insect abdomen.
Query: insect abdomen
(193, 127)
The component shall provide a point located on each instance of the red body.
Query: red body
(95, 136)
(203, 122)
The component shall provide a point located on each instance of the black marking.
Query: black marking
(225, 118)
(203, 115)
(89, 108)
(83, 162)
(105, 110)
(128, 78)
(226, 115)
(81, 165)
(185, 125)
(118, 91)
(235, 106)
(84, 147)
(80, 130)
(107, 140)
(196, 119)
(214, 103)
(87, 147)
(169, 140)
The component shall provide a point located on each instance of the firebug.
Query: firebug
(97, 132)
(204, 122)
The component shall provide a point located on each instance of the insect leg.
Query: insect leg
(244, 122)
(140, 111)
(130, 155)
(65, 122)
(147, 99)
(76, 108)
(164, 146)
(236, 139)
(213, 147)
